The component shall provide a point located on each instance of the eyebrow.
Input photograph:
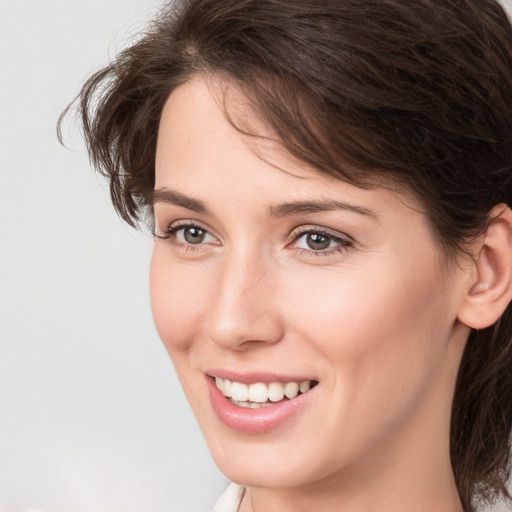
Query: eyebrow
(164, 195)
(284, 210)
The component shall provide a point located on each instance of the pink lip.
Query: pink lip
(255, 421)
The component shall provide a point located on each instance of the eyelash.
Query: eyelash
(170, 235)
(342, 243)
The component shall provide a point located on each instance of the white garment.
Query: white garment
(230, 499)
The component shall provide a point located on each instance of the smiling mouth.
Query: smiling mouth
(259, 394)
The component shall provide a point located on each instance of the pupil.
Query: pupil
(194, 235)
(317, 241)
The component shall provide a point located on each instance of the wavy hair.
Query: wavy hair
(418, 93)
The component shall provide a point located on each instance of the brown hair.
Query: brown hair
(417, 93)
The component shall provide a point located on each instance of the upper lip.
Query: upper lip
(252, 377)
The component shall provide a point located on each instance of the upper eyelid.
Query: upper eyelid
(297, 232)
(169, 233)
(179, 223)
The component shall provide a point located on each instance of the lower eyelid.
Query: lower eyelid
(309, 253)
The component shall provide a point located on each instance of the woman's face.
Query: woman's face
(279, 274)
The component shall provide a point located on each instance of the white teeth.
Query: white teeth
(304, 386)
(291, 390)
(275, 392)
(259, 394)
(239, 391)
(227, 388)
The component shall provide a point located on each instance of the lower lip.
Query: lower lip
(255, 421)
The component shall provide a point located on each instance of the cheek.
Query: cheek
(383, 339)
(383, 332)
(176, 301)
(375, 306)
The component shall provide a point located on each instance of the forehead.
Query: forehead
(201, 154)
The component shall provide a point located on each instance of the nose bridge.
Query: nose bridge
(241, 309)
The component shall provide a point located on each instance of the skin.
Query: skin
(374, 318)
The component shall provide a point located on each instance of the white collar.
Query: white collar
(230, 499)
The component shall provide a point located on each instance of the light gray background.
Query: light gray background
(92, 418)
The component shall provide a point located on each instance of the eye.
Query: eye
(320, 242)
(187, 234)
(192, 235)
(316, 241)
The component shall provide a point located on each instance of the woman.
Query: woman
(329, 186)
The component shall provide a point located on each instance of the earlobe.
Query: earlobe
(490, 289)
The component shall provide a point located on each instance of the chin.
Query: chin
(272, 460)
(264, 471)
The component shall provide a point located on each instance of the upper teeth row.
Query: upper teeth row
(260, 392)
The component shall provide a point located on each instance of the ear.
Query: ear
(489, 288)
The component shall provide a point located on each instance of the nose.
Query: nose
(244, 312)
